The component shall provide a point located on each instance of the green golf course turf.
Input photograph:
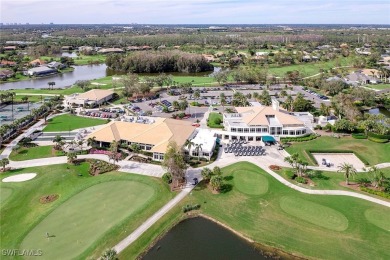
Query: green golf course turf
(87, 216)
(372, 152)
(309, 234)
(35, 152)
(380, 218)
(71, 122)
(314, 213)
(92, 213)
(5, 193)
(250, 183)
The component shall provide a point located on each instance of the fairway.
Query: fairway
(81, 220)
(380, 218)
(5, 193)
(71, 122)
(314, 213)
(250, 183)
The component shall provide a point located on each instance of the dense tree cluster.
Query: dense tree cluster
(155, 62)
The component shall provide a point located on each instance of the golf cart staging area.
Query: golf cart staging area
(333, 160)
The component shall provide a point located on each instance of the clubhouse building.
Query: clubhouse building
(153, 137)
(90, 98)
(256, 123)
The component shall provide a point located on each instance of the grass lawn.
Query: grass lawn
(34, 153)
(66, 91)
(331, 180)
(215, 120)
(90, 215)
(313, 226)
(196, 81)
(373, 153)
(89, 59)
(70, 122)
(309, 69)
(379, 86)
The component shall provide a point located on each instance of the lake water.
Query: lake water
(376, 111)
(64, 80)
(200, 238)
(85, 72)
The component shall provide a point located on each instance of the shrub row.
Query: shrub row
(378, 140)
(375, 192)
(378, 136)
(298, 139)
(359, 136)
(99, 167)
(189, 207)
(309, 152)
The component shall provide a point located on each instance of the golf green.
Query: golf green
(5, 193)
(314, 213)
(80, 221)
(379, 217)
(250, 183)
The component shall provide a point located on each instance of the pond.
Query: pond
(200, 238)
(85, 72)
(376, 111)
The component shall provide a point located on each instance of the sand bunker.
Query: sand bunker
(20, 177)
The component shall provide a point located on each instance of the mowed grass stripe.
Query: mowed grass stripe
(80, 221)
(380, 218)
(314, 213)
(5, 193)
(250, 183)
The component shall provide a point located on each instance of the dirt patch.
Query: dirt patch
(48, 198)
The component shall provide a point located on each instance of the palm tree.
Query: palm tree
(216, 182)
(57, 140)
(288, 103)
(348, 170)
(196, 94)
(71, 157)
(324, 109)
(91, 141)
(4, 162)
(188, 143)
(198, 148)
(378, 177)
(283, 93)
(206, 174)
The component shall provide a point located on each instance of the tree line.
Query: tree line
(156, 62)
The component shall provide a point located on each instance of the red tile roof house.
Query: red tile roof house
(7, 63)
(9, 48)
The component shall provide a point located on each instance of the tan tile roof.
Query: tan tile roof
(158, 134)
(369, 72)
(95, 94)
(257, 116)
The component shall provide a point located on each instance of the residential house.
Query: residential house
(41, 71)
(7, 63)
(5, 74)
(110, 50)
(56, 65)
(37, 62)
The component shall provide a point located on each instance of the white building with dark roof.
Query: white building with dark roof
(253, 123)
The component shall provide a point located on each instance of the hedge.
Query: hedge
(298, 139)
(376, 192)
(378, 140)
(359, 136)
(335, 151)
(378, 136)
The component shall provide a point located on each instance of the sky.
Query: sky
(195, 11)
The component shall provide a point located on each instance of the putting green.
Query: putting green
(5, 193)
(314, 213)
(380, 218)
(250, 183)
(80, 221)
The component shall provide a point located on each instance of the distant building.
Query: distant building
(37, 62)
(7, 63)
(90, 98)
(56, 65)
(41, 71)
(110, 50)
(9, 48)
(5, 74)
